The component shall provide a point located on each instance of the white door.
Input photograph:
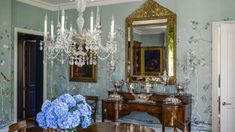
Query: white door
(227, 89)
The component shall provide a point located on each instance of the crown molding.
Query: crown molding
(40, 4)
(71, 5)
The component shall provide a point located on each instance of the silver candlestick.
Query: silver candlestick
(180, 88)
(165, 79)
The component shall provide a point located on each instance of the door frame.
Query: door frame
(32, 32)
(216, 42)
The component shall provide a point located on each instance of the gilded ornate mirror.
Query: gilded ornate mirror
(150, 43)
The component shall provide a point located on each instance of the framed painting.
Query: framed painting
(86, 73)
(151, 60)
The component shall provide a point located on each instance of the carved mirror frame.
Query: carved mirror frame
(152, 11)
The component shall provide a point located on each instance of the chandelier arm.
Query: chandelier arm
(103, 58)
(103, 48)
(53, 57)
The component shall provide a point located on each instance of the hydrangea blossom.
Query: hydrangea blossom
(65, 112)
(67, 121)
(86, 122)
(79, 98)
(61, 109)
(68, 99)
(84, 109)
(46, 105)
(41, 120)
(51, 121)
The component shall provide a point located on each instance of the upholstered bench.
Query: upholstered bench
(143, 118)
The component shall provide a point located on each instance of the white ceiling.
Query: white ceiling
(70, 4)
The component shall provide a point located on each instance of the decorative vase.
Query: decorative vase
(118, 85)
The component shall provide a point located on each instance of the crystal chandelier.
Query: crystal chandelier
(57, 47)
(83, 47)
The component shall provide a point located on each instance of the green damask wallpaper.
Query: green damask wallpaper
(194, 46)
(5, 74)
(5, 62)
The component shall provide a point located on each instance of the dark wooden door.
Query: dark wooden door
(30, 76)
(33, 77)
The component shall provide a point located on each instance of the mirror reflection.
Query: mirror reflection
(148, 49)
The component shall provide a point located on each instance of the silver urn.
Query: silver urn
(118, 85)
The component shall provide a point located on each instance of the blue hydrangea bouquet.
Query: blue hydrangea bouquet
(65, 112)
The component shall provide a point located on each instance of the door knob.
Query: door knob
(224, 103)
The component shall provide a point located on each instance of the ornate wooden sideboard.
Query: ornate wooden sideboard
(112, 110)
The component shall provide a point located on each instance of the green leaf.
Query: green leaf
(71, 130)
(74, 108)
(80, 102)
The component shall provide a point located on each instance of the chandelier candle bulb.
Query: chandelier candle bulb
(62, 22)
(98, 16)
(45, 26)
(92, 22)
(65, 22)
(112, 26)
(52, 30)
(58, 17)
(71, 27)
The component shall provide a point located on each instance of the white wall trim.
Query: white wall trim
(72, 5)
(40, 4)
(215, 75)
(16, 31)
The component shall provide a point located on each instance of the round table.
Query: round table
(106, 127)
(115, 127)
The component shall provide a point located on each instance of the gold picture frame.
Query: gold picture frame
(86, 73)
(151, 61)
